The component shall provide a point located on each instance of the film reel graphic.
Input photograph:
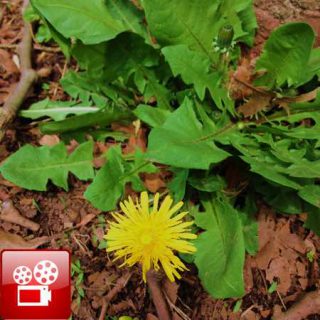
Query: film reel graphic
(45, 273)
(22, 275)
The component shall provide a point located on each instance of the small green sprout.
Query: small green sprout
(311, 255)
(237, 306)
(78, 274)
(273, 287)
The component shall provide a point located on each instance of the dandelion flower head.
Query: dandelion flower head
(150, 236)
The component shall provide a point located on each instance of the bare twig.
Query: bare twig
(120, 284)
(157, 295)
(309, 304)
(36, 46)
(28, 77)
(174, 308)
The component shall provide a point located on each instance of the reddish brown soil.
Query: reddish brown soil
(284, 242)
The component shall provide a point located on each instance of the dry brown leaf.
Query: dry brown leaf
(249, 315)
(138, 140)
(101, 282)
(171, 290)
(279, 268)
(150, 316)
(116, 308)
(4, 195)
(49, 140)
(309, 304)
(14, 241)
(87, 218)
(247, 274)
(82, 310)
(153, 181)
(291, 240)
(7, 66)
(244, 73)
(11, 214)
(255, 104)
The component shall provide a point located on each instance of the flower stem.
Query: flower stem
(153, 281)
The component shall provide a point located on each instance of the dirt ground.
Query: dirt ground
(67, 220)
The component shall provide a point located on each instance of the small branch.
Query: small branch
(309, 304)
(120, 284)
(36, 46)
(8, 46)
(28, 77)
(157, 295)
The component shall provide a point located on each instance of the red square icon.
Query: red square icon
(35, 284)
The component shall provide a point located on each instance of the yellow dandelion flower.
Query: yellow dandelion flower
(150, 236)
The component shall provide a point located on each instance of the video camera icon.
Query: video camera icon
(45, 273)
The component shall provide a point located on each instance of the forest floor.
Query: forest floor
(63, 219)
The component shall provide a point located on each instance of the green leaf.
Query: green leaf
(43, 34)
(220, 249)
(313, 219)
(106, 188)
(153, 88)
(109, 183)
(129, 15)
(193, 67)
(250, 225)
(196, 23)
(126, 55)
(193, 23)
(81, 87)
(102, 117)
(90, 21)
(311, 194)
(206, 183)
(286, 54)
(133, 169)
(57, 110)
(32, 167)
(177, 185)
(282, 199)
(263, 162)
(273, 287)
(305, 169)
(152, 116)
(313, 67)
(182, 141)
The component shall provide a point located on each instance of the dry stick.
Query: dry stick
(28, 77)
(157, 295)
(120, 284)
(309, 304)
(37, 47)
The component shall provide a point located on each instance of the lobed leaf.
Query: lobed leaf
(57, 110)
(90, 21)
(182, 141)
(286, 54)
(193, 67)
(32, 167)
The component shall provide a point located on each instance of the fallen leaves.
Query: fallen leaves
(10, 213)
(308, 304)
(255, 104)
(281, 252)
(14, 241)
